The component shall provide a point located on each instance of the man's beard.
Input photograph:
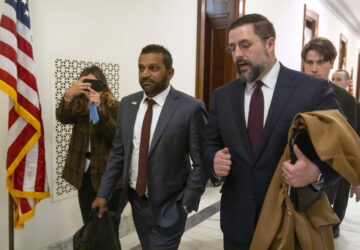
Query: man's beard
(152, 88)
(250, 75)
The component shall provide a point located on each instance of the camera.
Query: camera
(96, 85)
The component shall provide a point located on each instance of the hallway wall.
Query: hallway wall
(116, 31)
(104, 30)
(287, 17)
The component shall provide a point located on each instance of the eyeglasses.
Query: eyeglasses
(244, 45)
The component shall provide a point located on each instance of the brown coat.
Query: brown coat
(279, 225)
(101, 136)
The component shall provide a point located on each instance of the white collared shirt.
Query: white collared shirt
(268, 88)
(160, 100)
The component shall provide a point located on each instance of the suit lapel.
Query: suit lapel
(130, 123)
(237, 107)
(171, 102)
(282, 94)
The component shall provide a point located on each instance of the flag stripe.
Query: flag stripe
(8, 51)
(27, 77)
(24, 206)
(26, 62)
(8, 24)
(26, 133)
(29, 106)
(7, 37)
(32, 95)
(41, 174)
(13, 116)
(9, 10)
(25, 46)
(19, 173)
(8, 66)
(13, 133)
(7, 78)
(30, 171)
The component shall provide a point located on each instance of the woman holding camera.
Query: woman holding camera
(91, 140)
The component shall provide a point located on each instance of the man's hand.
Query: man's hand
(222, 162)
(100, 203)
(356, 191)
(302, 173)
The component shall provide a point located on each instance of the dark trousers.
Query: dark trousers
(151, 235)
(87, 195)
(338, 196)
(234, 245)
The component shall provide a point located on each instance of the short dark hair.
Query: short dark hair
(347, 75)
(263, 28)
(321, 45)
(156, 48)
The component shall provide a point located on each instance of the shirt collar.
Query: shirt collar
(159, 98)
(269, 79)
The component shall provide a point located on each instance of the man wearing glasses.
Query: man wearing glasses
(248, 126)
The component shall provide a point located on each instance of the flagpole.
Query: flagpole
(11, 223)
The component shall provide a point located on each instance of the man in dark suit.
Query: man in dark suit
(248, 126)
(318, 56)
(162, 185)
(355, 191)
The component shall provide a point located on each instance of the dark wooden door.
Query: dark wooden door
(218, 67)
(358, 80)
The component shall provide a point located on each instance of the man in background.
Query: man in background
(318, 56)
(341, 78)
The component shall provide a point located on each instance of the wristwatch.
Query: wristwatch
(320, 178)
(186, 209)
(318, 185)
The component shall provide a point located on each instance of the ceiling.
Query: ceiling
(348, 11)
(354, 7)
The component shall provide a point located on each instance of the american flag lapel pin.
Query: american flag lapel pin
(134, 103)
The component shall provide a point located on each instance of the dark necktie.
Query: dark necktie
(256, 117)
(144, 149)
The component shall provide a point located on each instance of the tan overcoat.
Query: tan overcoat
(280, 226)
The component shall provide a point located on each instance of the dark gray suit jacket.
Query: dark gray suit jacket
(171, 180)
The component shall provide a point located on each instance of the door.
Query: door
(214, 65)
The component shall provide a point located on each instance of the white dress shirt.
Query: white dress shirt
(160, 100)
(267, 88)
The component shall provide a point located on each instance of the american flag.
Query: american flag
(25, 166)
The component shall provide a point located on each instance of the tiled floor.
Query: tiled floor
(350, 228)
(207, 235)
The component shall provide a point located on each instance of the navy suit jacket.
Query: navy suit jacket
(172, 182)
(244, 189)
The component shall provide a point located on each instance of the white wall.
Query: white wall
(287, 17)
(117, 30)
(106, 30)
